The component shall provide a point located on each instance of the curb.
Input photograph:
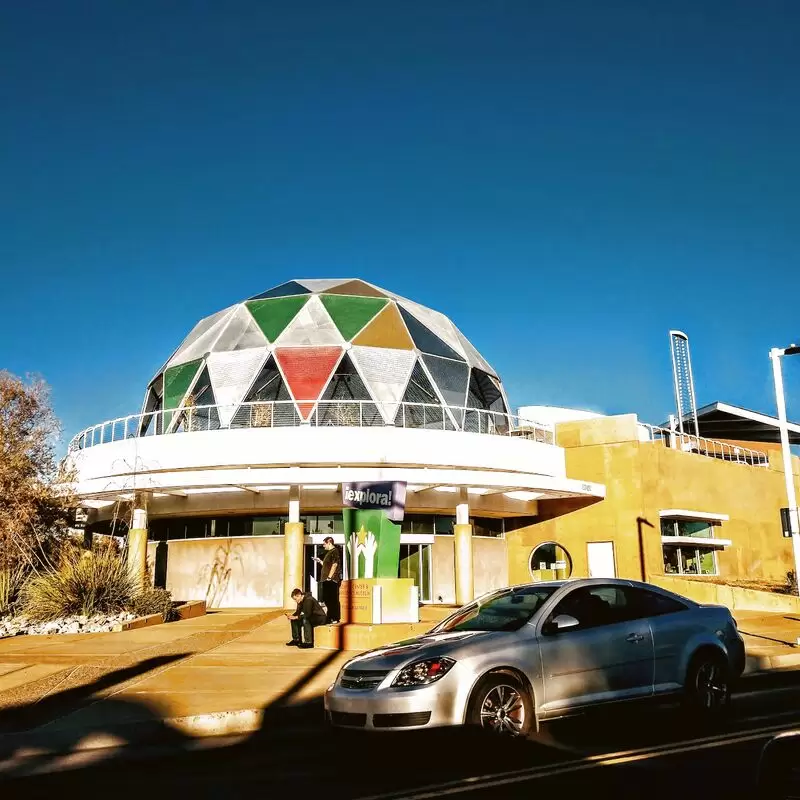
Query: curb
(755, 664)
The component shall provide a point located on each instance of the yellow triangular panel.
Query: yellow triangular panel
(387, 329)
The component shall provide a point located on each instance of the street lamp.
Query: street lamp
(780, 398)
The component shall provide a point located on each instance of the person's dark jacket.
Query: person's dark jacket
(309, 608)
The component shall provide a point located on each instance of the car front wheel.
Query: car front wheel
(708, 690)
(501, 704)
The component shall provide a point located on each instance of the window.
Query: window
(652, 604)
(687, 560)
(268, 526)
(506, 610)
(549, 562)
(594, 606)
(687, 527)
(487, 526)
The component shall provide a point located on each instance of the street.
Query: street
(621, 752)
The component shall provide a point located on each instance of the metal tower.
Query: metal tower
(685, 402)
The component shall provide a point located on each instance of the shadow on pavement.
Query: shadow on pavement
(294, 753)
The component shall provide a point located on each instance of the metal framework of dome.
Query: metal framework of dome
(309, 343)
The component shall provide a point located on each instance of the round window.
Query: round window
(550, 562)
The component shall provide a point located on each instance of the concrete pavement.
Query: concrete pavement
(212, 675)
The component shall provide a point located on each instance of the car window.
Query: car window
(594, 606)
(652, 604)
(504, 611)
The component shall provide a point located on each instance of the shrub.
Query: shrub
(154, 601)
(82, 584)
(12, 582)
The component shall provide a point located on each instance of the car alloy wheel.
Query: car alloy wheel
(503, 710)
(711, 686)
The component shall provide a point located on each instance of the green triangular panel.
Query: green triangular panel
(274, 314)
(177, 381)
(351, 314)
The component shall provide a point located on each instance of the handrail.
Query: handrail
(699, 445)
(324, 413)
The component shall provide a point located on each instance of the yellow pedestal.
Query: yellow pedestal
(398, 601)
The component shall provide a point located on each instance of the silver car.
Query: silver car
(522, 655)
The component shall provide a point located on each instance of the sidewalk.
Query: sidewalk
(771, 640)
(212, 675)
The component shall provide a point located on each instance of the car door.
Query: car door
(607, 656)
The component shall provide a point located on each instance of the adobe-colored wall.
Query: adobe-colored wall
(642, 478)
(490, 566)
(236, 572)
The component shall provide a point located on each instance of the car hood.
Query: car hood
(427, 646)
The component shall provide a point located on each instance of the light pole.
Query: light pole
(780, 398)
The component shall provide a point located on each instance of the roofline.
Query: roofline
(744, 413)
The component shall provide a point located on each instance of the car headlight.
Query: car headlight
(421, 673)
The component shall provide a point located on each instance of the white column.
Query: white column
(462, 508)
(780, 398)
(294, 504)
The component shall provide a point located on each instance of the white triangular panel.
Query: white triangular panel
(320, 285)
(231, 374)
(202, 338)
(437, 322)
(474, 358)
(241, 332)
(311, 326)
(386, 373)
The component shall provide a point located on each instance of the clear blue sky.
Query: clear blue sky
(566, 180)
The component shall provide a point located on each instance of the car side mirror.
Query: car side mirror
(778, 775)
(563, 622)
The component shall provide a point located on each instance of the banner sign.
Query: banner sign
(389, 497)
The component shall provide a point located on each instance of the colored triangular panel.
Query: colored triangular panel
(306, 371)
(202, 338)
(273, 315)
(177, 381)
(438, 323)
(284, 290)
(312, 326)
(424, 338)
(231, 376)
(386, 330)
(351, 314)
(386, 373)
(358, 288)
(241, 332)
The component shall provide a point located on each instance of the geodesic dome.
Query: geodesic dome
(324, 351)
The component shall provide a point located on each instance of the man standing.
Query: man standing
(330, 578)
(307, 616)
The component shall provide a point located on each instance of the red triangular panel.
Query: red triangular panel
(306, 371)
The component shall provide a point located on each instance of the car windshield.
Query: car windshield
(507, 610)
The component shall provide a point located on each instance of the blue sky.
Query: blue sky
(566, 180)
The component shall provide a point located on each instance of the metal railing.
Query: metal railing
(699, 445)
(324, 413)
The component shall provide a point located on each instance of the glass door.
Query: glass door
(415, 562)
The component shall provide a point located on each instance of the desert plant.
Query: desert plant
(85, 583)
(12, 582)
(154, 601)
(791, 582)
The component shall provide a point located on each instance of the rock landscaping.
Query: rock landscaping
(97, 623)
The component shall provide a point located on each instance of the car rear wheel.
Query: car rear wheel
(501, 704)
(708, 689)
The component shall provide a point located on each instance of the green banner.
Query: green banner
(377, 542)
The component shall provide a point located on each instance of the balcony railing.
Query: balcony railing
(699, 445)
(333, 413)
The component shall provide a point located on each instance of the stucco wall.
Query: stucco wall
(237, 572)
(490, 564)
(643, 478)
